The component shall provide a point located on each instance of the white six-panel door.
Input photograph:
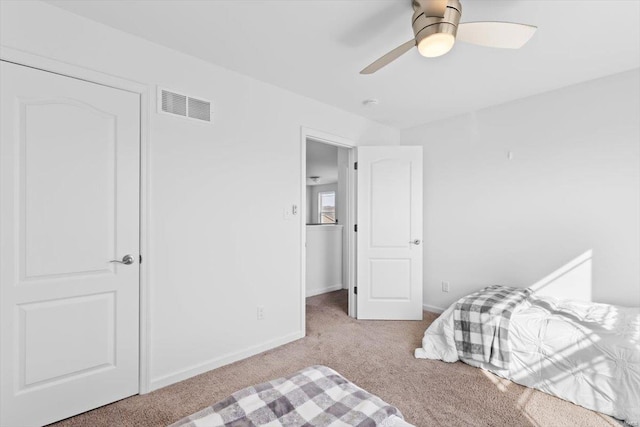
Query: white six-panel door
(69, 204)
(389, 237)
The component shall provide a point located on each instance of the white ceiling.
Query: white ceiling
(322, 161)
(317, 48)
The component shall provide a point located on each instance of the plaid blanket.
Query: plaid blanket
(316, 396)
(481, 324)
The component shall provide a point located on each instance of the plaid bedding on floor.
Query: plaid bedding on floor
(315, 396)
(481, 324)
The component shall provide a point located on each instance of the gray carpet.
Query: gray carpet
(377, 356)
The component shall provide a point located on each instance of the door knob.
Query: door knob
(126, 260)
(415, 242)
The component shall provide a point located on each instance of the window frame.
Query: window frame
(320, 205)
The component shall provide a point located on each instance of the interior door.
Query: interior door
(69, 205)
(389, 236)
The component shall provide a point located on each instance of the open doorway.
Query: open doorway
(327, 167)
(326, 214)
(382, 255)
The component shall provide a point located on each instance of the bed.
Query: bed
(586, 353)
(315, 396)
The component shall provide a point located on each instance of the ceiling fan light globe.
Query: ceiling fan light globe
(436, 44)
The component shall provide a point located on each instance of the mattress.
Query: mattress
(586, 353)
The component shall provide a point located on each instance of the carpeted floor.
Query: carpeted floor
(377, 356)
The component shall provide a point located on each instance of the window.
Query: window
(327, 207)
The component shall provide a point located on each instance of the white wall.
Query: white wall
(341, 209)
(324, 259)
(312, 213)
(211, 262)
(572, 186)
(309, 212)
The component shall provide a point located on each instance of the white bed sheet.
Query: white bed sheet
(396, 421)
(586, 353)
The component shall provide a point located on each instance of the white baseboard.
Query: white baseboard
(432, 308)
(221, 361)
(318, 291)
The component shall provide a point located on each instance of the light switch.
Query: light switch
(290, 212)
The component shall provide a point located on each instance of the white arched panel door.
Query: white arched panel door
(69, 197)
(389, 236)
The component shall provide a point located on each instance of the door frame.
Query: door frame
(338, 141)
(143, 90)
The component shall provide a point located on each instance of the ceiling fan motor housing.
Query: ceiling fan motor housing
(425, 26)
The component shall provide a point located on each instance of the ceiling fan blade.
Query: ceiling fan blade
(432, 8)
(389, 57)
(506, 35)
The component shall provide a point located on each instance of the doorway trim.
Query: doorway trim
(143, 90)
(326, 138)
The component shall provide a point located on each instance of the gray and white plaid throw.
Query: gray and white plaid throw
(481, 324)
(316, 396)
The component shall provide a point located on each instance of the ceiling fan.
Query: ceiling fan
(436, 26)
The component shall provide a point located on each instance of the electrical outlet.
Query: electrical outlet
(260, 313)
(445, 286)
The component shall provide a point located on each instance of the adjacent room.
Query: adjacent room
(319, 213)
(326, 193)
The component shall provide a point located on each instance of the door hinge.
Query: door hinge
(140, 259)
(355, 290)
(355, 228)
(355, 166)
